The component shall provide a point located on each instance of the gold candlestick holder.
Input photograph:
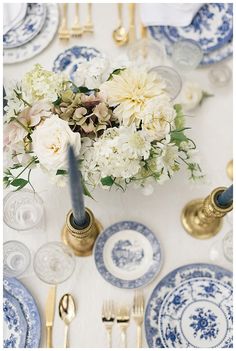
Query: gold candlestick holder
(81, 241)
(203, 218)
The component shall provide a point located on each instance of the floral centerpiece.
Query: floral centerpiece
(122, 124)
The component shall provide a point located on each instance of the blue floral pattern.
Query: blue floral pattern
(211, 27)
(155, 264)
(28, 309)
(204, 324)
(167, 284)
(28, 28)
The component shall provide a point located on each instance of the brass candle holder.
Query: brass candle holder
(81, 240)
(203, 218)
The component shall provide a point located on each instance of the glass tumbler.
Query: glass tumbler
(186, 54)
(22, 210)
(16, 258)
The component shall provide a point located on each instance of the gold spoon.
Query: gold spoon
(229, 169)
(120, 35)
(67, 314)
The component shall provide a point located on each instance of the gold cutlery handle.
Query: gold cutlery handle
(64, 16)
(77, 13)
(49, 337)
(89, 12)
(66, 343)
(120, 15)
(139, 336)
(132, 34)
(109, 337)
(123, 338)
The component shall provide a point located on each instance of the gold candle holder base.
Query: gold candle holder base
(81, 241)
(202, 218)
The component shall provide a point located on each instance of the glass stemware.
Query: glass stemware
(16, 258)
(22, 210)
(54, 263)
(172, 79)
(186, 55)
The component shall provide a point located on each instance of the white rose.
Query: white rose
(50, 141)
(191, 95)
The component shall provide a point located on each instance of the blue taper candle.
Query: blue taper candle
(226, 197)
(76, 190)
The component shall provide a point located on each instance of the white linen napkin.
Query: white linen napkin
(179, 15)
(13, 13)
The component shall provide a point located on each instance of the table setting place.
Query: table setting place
(117, 175)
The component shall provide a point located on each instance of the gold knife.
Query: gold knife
(132, 32)
(50, 310)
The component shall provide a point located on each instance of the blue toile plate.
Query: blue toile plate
(28, 28)
(208, 58)
(69, 60)
(22, 325)
(198, 313)
(128, 255)
(207, 275)
(211, 27)
(14, 322)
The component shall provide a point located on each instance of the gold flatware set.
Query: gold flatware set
(50, 311)
(64, 33)
(122, 315)
(120, 35)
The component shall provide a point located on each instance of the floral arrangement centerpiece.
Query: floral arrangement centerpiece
(122, 124)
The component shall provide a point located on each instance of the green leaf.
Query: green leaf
(205, 95)
(179, 119)
(86, 191)
(108, 181)
(116, 71)
(19, 182)
(178, 137)
(58, 101)
(61, 172)
(82, 90)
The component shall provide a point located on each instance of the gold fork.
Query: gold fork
(63, 32)
(76, 29)
(88, 27)
(137, 313)
(122, 319)
(108, 319)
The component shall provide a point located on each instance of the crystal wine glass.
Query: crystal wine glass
(54, 262)
(187, 54)
(22, 210)
(16, 258)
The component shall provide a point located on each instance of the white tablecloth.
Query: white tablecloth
(211, 129)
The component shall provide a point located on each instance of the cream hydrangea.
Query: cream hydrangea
(42, 84)
(130, 91)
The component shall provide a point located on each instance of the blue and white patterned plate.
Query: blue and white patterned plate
(29, 310)
(128, 255)
(28, 28)
(69, 60)
(39, 42)
(210, 58)
(170, 282)
(14, 323)
(211, 27)
(198, 313)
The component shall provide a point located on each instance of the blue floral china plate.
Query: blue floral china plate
(208, 58)
(28, 28)
(14, 322)
(211, 27)
(25, 315)
(39, 42)
(198, 313)
(69, 60)
(171, 281)
(128, 255)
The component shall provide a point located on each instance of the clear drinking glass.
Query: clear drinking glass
(172, 79)
(228, 246)
(148, 52)
(22, 210)
(54, 262)
(220, 75)
(16, 258)
(187, 54)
